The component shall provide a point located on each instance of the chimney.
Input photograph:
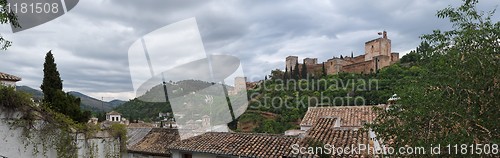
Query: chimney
(385, 34)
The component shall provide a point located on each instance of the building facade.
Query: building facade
(113, 116)
(8, 80)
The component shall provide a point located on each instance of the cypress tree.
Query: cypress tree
(323, 69)
(304, 71)
(55, 97)
(51, 79)
(296, 71)
(285, 76)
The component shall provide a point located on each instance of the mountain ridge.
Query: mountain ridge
(87, 102)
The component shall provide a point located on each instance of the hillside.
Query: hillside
(288, 103)
(138, 108)
(87, 102)
(36, 94)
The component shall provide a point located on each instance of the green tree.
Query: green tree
(323, 70)
(51, 79)
(55, 97)
(422, 52)
(455, 99)
(276, 74)
(295, 71)
(304, 71)
(6, 17)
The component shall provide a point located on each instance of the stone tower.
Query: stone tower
(378, 47)
(310, 61)
(290, 62)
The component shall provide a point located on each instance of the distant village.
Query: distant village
(340, 126)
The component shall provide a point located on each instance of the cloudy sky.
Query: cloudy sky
(91, 41)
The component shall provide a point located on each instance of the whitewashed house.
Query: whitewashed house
(8, 80)
(113, 116)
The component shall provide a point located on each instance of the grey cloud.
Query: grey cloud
(91, 41)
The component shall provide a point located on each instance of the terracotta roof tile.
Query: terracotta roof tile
(350, 115)
(238, 144)
(4, 76)
(324, 131)
(156, 142)
(134, 135)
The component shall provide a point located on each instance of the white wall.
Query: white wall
(8, 83)
(118, 118)
(12, 146)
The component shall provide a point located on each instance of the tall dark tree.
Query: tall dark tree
(304, 71)
(55, 97)
(295, 74)
(285, 76)
(323, 70)
(51, 79)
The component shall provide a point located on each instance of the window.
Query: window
(187, 156)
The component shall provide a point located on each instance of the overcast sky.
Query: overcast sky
(91, 41)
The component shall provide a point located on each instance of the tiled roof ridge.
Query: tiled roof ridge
(356, 106)
(254, 134)
(7, 76)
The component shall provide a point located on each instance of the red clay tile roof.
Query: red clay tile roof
(238, 144)
(156, 142)
(4, 76)
(324, 131)
(349, 115)
(134, 135)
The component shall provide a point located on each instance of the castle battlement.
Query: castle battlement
(377, 55)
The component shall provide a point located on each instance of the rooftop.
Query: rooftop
(324, 131)
(134, 135)
(4, 76)
(349, 115)
(156, 142)
(113, 113)
(238, 144)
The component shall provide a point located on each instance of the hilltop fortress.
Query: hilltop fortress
(377, 55)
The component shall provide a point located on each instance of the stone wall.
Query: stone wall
(362, 67)
(11, 144)
(334, 66)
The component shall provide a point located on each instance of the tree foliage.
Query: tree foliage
(51, 78)
(304, 71)
(6, 17)
(55, 97)
(422, 52)
(455, 98)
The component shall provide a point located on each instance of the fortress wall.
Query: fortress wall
(333, 66)
(362, 67)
